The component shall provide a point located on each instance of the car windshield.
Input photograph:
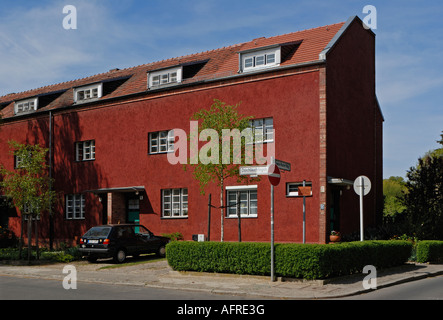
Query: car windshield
(100, 232)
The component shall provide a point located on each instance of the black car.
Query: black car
(118, 241)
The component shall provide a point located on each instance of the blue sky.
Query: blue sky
(35, 49)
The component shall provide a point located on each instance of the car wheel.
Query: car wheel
(120, 256)
(161, 252)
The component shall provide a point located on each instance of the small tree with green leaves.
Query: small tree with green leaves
(424, 198)
(217, 162)
(28, 186)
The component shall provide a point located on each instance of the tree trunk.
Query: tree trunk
(221, 211)
(29, 238)
(20, 243)
(36, 238)
(239, 216)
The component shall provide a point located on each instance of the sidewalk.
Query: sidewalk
(158, 274)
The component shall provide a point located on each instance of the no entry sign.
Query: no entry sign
(274, 175)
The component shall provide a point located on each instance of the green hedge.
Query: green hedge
(308, 261)
(430, 251)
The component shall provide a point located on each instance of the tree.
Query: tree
(424, 198)
(28, 186)
(218, 163)
(394, 190)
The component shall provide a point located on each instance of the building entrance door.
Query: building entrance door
(133, 210)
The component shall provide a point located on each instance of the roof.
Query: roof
(306, 45)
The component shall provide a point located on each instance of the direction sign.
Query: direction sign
(366, 185)
(254, 171)
(274, 175)
(362, 186)
(282, 165)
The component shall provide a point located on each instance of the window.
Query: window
(88, 93)
(164, 77)
(263, 130)
(292, 189)
(260, 59)
(75, 206)
(161, 142)
(18, 162)
(26, 106)
(175, 203)
(247, 196)
(85, 150)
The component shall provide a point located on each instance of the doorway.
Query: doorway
(335, 209)
(133, 210)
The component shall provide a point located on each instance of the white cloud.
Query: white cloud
(35, 49)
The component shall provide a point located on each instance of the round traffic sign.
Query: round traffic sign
(274, 175)
(362, 183)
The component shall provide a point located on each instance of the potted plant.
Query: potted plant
(335, 236)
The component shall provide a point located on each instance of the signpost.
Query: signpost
(305, 192)
(362, 186)
(274, 175)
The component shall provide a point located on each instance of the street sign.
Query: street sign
(364, 182)
(305, 191)
(282, 165)
(254, 171)
(362, 186)
(274, 175)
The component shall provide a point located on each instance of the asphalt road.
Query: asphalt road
(426, 289)
(12, 288)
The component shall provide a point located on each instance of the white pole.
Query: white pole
(272, 228)
(362, 191)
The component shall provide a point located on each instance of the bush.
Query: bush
(173, 236)
(308, 261)
(430, 251)
(68, 255)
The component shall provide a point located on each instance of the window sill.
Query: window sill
(157, 153)
(243, 217)
(174, 218)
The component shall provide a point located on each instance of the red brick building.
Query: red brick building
(108, 136)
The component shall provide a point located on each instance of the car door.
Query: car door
(126, 238)
(146, 241)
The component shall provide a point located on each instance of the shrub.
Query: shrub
(308, 261)
(430, 251)
(175, 236)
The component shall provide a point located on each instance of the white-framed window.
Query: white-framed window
(247, 196)
(263, 130)
(88, 93)
(165, 77)
(292, 189)
(17, 162)
(75, 207)
(26, 106)
(27, 212)
(161, 142)
(85, 150)
(260, 59)
(175, 203)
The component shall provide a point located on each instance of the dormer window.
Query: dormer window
(88, 93)
(26, 106)
(260, 59)
(165, 77)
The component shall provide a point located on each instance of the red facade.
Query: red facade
(327, 122)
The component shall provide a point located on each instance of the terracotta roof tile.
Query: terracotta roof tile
(221, 63)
